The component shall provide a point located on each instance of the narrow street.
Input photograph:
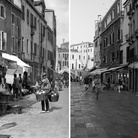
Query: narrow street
(113, 115)
(33, 124)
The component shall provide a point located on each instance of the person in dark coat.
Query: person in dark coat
(86, 83)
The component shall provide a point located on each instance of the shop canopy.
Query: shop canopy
(16, 59)
(98, 71)
(115, 68)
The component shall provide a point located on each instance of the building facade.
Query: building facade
(24, 33)
(10, 27)
(133, 44)
(97, 52)
(86, 50)
(33, 37)
(63, 58)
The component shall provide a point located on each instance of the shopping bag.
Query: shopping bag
(53, 96)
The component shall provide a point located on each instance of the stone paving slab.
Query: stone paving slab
(113, 115)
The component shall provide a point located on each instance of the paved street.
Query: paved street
(114, 115)
(33, 124)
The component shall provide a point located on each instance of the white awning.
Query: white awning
(15, 58)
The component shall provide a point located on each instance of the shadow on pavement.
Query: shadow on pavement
(54, 108)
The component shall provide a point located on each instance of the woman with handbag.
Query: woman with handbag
(45, 85)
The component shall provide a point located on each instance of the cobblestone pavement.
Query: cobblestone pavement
(31, 123)
(113, 115)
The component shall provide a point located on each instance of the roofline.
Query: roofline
(81, 43)
(33, 7)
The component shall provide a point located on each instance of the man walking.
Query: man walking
(86, 83)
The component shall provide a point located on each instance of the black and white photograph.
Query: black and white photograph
(34, 69)
(104, 68)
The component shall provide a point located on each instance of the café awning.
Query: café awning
(15, 58)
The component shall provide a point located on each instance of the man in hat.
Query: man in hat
(45, 86)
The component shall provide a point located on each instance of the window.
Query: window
(35, 49)
(72, 66)
(2, 11)
(13, 44)
(44, 33)
(108, 19)
(22, 43)
(110, 39)
(23, 12)
(13, 18)
(27, 16)
(3, 40)
(121, 56)
(79, 66)
(31, 21)
(118, 34)
(72, 56)
(79, 57)
(35, 23)
(113, 37)
(50, 38)
(104, 24)
(118, 7)
(27, 45)
(113, 14)
(128, 53)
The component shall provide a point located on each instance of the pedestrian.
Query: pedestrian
(15, 87)
(80, 79)
(93, 85)
(45, 85)
(56, 84)
(20, 86)
(86, 83)
(97, 88)
(119, 85)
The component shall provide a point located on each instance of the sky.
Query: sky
(61, 8)
(83, 14)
